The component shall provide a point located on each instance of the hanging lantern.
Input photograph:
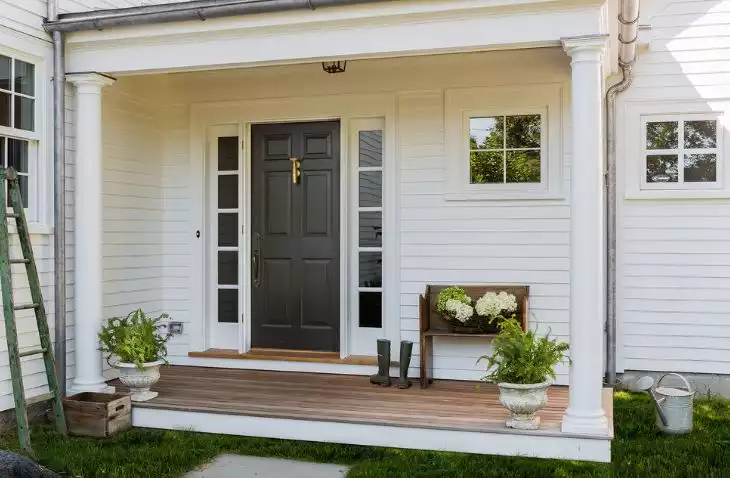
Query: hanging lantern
(333, 67)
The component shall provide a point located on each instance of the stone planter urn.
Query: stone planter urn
(523, 400)
(140, 381)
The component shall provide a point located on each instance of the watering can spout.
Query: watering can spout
(645, 384)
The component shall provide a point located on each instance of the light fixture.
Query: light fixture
(333, 67)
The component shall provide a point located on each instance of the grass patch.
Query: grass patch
(639, 450)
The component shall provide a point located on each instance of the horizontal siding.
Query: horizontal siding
(25, 16)
(76, 6)
(472, 241)
(674, 256)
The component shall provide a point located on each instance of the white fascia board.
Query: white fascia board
(230, 43)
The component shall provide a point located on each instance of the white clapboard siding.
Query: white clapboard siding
(674, 256)
(75, 6)
(24, 16)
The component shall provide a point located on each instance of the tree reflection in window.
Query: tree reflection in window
(505, 149)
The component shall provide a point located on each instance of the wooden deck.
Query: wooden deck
(446, 405)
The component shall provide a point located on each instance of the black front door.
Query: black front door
(295, 243)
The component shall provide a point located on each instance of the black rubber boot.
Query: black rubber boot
(406, 351)
(382, 378)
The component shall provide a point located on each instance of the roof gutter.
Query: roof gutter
(184, 11)
(628, 19)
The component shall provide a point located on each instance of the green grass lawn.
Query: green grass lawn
(638, 451)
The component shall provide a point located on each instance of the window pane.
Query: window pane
(662, 135)
(228, 229)
(486, 167)
(371, 148)
(486, 133)
(24, 114)
(371, 229)
(662, 168)
(228, 192)
(18, 155)
(228, 153)
(700, 134)
(371, 189)
(523, 166)
(523, 131)
(228, 305)
(23, 182)
(700, 168)
(371, 269)
(4, 73)
(24, 78)
(227, 267)
(4, 109)
(371, 310)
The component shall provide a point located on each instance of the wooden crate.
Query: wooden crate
(98, 414)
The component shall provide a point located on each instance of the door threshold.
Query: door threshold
(287, 355)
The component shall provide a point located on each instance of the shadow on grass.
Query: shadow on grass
(638, 451)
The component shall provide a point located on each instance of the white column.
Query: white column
(585, 413)
(88, 309)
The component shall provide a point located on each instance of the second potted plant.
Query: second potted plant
(523, 367)
(136, 346)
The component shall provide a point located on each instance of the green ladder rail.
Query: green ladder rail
(10, 176)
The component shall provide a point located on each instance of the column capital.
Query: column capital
(98, 80)
(586, 48)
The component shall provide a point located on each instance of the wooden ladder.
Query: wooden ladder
(11, 333)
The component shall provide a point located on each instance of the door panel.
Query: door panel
(295, 228)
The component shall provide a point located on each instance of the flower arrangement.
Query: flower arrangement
(136, 338)
(484, 315)
(493, 306)
(454, 304)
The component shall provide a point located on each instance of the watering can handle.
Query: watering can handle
(689, 387)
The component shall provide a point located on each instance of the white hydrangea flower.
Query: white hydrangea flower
(460, 311)
(491, 304)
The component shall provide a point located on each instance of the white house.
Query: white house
(214, 171)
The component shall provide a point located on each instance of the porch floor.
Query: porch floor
(448, 406)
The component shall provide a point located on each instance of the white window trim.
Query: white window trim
(632, 150)
(464, 104)
(40, 142)
(681, 151)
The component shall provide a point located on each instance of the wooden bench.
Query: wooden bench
(432, 324)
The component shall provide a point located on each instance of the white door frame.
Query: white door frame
(296, 109)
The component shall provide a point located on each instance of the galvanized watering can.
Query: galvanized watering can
(673, 405)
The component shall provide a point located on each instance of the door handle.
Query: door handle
(296, 170)
(255, 260)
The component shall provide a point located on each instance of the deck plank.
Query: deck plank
(456, 405)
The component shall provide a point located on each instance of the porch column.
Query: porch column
(88, 311)
(585, 413)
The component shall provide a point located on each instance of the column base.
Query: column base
(97, 387)
(585, 422)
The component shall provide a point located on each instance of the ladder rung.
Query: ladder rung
(40, 398)
(26, 306)
(19, 261)
(32, 352)
(12, 216)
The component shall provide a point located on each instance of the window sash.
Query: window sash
(681, 151)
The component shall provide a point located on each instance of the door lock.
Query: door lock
(296, 170)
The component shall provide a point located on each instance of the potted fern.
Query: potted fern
(137, 347)
(523, 367)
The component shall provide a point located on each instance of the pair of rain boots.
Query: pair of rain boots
(382, 378)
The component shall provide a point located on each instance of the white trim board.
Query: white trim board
(241, 41)
(547, 445)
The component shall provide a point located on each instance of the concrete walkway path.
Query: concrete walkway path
(234, 466)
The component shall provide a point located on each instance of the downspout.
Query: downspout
(199, 10)
(628, 33)
(59, 197)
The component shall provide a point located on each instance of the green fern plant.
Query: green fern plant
(136, 338)
(522, 357)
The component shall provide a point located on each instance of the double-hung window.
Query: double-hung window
(18, 133)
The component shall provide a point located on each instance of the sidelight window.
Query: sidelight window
(228, 229)
(370, 227)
